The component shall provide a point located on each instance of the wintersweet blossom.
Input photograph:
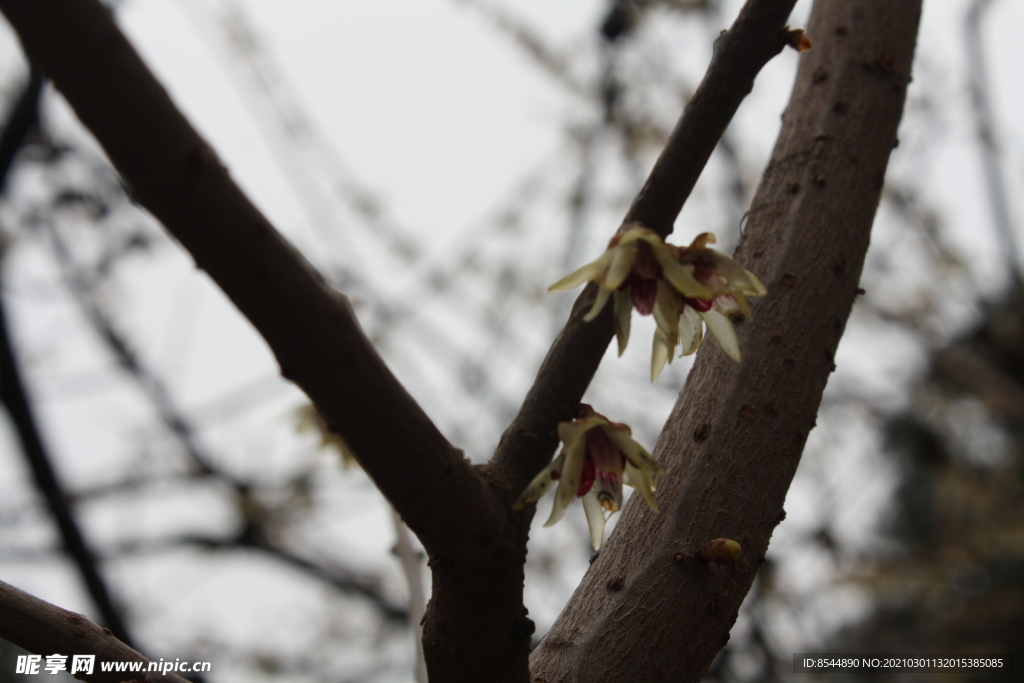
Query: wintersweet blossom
(728, 285)
(598, 456)
(634, 268)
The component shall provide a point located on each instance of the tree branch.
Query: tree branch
(757, 35)
(44, 629)
(309, 326)
(476, 627)
(14, 396)
(733, 441)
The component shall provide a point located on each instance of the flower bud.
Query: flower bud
(721, 551)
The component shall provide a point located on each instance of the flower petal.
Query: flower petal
(541, 484)
(739, 279)
(569, 482)
(666, 310)
(636, 232)
(623, 258)
(642, 482)
(681, 277)
(701, 241)
(558, 507)
(722, 328)
(634, 452)
(591, 271)
(595, 519)
(599, 302)
(623, 315)
(661, 353)
(741, 303)
(691, 330)
(754, 286)
(571, 433)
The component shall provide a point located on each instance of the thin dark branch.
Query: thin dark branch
(42, 628)
(81, 289)
(14, 397)
(757, 35)
(309, 325)
(24, 117)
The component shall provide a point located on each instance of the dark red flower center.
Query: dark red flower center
(643, 280)
(643, 292)
(646, 266)
(703, 270)
(586, 478)
(701, 305)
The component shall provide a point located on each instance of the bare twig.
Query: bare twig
(80, 286)
(44, 629)
(309, 326)
(15, 398)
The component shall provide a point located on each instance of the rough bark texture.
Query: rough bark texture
(37, 626)
(476, 627)
(309, 326)
(649, 610)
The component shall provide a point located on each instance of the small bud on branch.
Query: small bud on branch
(798, 40)
(721, 551)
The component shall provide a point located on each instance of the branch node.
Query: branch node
(523, 629)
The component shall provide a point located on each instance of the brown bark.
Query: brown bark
(649, 609)
(309, 325)
(37, 626)
(476, 627)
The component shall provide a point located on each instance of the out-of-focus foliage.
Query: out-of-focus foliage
(951, 578)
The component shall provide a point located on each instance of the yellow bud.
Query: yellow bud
(722, 551)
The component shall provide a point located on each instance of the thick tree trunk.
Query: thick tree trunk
(649, 609)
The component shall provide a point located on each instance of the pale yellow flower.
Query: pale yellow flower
(598, 456)
(728, 285)
(632, 269)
